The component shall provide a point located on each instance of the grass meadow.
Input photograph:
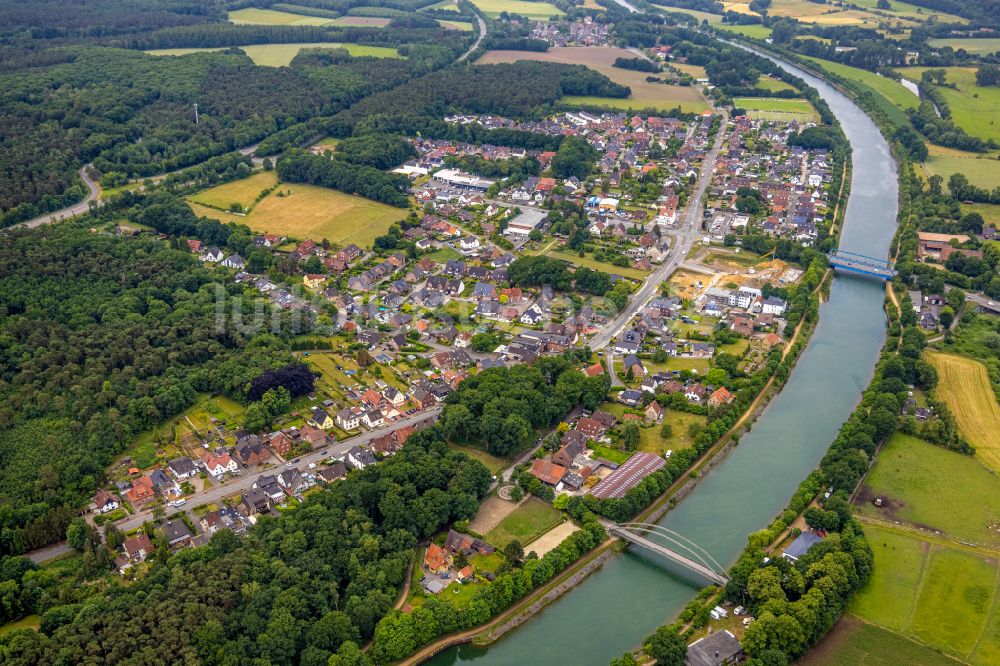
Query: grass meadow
(974, 45)
(976, 109)
(280, 55)
(940, 595)
(777, 108)
(934, 488)
(858, 643)
(981, 170)
(538, 11)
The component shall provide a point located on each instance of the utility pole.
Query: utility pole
(196, 113)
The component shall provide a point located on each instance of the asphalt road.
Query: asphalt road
(479, 40)
(68, 211)
(246, 481)
(684, 239)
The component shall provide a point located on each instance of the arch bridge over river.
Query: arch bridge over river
(615, 608)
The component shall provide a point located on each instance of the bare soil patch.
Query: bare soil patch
(492, 511)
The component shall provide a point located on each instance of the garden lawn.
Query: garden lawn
(529, 521)
(932, 487)
(608, 453)
(976, 109)
(492, 463)
(310, 212)
(965, 387)
(588, 261)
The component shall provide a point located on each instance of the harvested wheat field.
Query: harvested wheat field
(601, 58)
(965, 387)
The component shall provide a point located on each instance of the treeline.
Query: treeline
(49, 19)
(502, 407)
(302, 167)
(141, 122)
(380, 151)
(298, 589)
(638, 64)
(400, 634)
(102, 339)
(515, 168)
(513, 89)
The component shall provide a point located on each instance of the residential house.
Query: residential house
(360, 458)
(256, 501)
(217, 465)
(138, 548)
(334, 472)
(182, 468)
(653, 411)
(348, 419)
(437, 560)
(163, 483)
(176, 533)
(233, 261)
(590, 427)
(142, 491)
(106, 502)
(547, 471)
(320, 419)
(720, 396)
(251, 451)
(372, 418)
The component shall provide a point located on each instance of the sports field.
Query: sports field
(529, 521)
(965, 387)
(976, 109)
(933, 488)
(307, 212)
(539, 11)
(940, 595)
(280, 55)
(778, 108)
(602, 58)
(254, 16)
(852, 641)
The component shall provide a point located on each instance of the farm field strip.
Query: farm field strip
(280, 55)
(853, 641)
(531, 10)
(777, 107)
(601, 58)
(255, 16)
(965, 387)
(304, 211)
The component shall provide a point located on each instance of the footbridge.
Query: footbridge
(673, 546)
(862, 264)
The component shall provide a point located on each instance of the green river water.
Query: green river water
(619, 605)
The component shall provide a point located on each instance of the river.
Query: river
(619, 605)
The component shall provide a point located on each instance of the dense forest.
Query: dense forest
(149, 127)
(515, 89)
(300, 588)
(367, 181)
(101, 338)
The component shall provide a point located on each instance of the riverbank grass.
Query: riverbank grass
(973, 108)
(964, 385)
(933, 488)
(530, 520)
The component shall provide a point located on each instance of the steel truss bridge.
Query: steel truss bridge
(862, 264)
